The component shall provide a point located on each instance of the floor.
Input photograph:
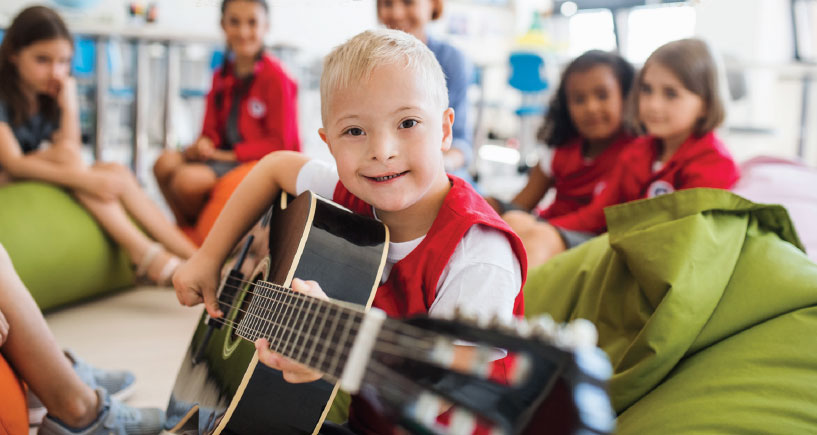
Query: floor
(144, 330)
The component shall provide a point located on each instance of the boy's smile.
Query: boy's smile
(387, 134)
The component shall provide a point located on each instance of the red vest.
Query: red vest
(700, 162)
(577, 179)
(412, 284)
(268, 116)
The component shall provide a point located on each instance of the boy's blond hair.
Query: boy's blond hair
(353, 62)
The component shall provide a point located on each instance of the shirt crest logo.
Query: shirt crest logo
(256, 107)
(658, 188)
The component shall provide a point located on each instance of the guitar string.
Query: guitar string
(391, 335)
(391, 332)
(383, 347)
(406, 330)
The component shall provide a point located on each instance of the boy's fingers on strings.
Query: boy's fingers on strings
(309, 288)
(292, 371)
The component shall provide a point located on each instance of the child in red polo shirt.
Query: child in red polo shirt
(251, 111)
(583, 132)
(677, 103)
(387, 124)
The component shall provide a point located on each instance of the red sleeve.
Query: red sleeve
(590, 218)
(209, 127)
(280, 94)
(716, 171)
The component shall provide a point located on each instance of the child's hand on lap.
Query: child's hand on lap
(293, 372)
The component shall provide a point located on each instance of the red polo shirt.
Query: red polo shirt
(699, 162)
(268, 116)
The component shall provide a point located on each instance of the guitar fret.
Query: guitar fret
(300, 317)
(277, 309)
(342, 347)
(305, 345)
(325, 354)
(318, 336)
(286, 319)
(269, 305)
(280, 321)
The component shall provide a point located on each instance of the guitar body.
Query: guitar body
(221, 387)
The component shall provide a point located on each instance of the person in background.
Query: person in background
(412, 17)
(447, 248)
(584, 133)
(38, 104)
(251, 111)
(78, 397)
(677, 104)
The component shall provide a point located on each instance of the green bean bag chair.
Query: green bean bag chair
(707, 307)
(58, 249)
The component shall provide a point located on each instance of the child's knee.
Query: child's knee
(166, 165)
(191, 181)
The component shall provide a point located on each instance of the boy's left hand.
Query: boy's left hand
(293, 372)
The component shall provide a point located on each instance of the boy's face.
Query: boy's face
(387, 135)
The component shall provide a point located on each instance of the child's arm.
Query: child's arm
(196, 280)
(68, 133)
(534, 191)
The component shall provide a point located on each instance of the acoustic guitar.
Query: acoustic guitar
(401, 367)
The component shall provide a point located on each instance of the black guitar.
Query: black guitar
(400, 367)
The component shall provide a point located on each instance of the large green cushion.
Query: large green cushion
(707, 307)
(58, 249)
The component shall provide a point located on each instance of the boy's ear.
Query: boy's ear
(448, 129)
(322, 134)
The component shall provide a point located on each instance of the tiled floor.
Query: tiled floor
(144, 330)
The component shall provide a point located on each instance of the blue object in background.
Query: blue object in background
(84, 57)
(2, 32)
(526, 76)
(77, 4)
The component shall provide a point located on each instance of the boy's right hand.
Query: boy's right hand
(195, 282)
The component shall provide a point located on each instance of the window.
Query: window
(649, 27)
(591, 29)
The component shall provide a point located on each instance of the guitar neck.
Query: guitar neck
(318, 333)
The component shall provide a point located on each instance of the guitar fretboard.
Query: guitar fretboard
(317, 333)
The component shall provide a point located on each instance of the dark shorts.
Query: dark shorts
(221, 167)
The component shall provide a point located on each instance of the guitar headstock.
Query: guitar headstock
(552, 380)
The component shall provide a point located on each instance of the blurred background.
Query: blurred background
(144, 68)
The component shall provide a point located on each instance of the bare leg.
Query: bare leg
(112, 217)
(148, 214)
(35, 355)
(164, 169)
(191, 185)
(540, 239)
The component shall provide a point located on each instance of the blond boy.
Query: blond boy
(387, 124)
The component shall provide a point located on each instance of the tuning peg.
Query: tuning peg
(579, 333)
(523, 328)
(443, 352)
(481, 362)
(465, 316)
(427, 408)
(520, 370)
(462, 422)
(544, 327)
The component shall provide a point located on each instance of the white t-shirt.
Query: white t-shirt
(482, 277)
